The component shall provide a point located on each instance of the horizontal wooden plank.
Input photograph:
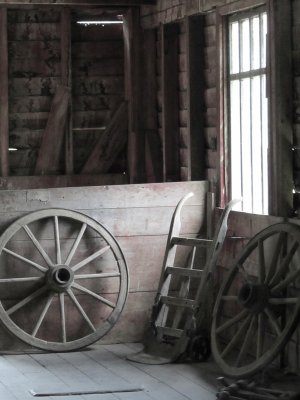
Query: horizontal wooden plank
(44, 182)
(34, 121)
(210, 76)
(93, 67)
(187, 241)
(25, 138)
(210, 57)
(34, 67)
(96, 103)
(23, 158)
(98, 85)
(195, 273)
(173, 332)
(34, 15)
(33, 86)
(32, 104)
(81, 33)
(211, 138)
(210, 33)
(119, 196)
(210, 98)
(178, 302)
(85, 119)
(123, 223)
(210, 117)
(36, 49)
(33, 31)
(108, 49)
(83, 2)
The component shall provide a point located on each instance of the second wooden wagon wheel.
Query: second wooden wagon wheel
(258, 306)
(63, 280)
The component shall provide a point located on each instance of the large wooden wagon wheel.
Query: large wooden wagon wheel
(258, 305)
(63, 280)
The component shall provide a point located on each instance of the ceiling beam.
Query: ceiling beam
(79, 2)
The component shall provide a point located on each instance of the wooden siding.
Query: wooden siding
(137, 215)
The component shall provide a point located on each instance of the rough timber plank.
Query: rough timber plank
(48, 160)
(4, 130)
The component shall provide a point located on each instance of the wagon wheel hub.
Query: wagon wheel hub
(60, 278)
(253, 296)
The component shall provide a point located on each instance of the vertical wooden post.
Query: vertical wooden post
(136, 137)
(195, 95)
(153, 142)
(66, 80)
(170, 102)
(4, 129)
(281, 107)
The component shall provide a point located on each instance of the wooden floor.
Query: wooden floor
(103, 367)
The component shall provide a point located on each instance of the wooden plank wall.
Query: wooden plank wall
(98, 83)
(34, 70)
(296, 116)
(138, 216)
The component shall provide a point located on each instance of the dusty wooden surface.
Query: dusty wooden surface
(137, 215)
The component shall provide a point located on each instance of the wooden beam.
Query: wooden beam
(133, 79)
(4, 129)
(48, 160)
(153, 142)
(80, 2)
(66, 80)
(110, 143)
(195, 96)
(170, 106)
(55, 181)
(281, 108)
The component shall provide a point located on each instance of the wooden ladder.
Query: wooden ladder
(176, 314)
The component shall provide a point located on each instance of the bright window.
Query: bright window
(248, 110)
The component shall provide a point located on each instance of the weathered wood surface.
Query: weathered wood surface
(82, 2)
(49, 156)
(4, 130)
(44, 182)
(171, 114)
(135, 215)
(110, 143)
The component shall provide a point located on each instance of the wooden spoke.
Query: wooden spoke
(93, 294)
(284, 266)
(15, 280)
(96, 276)
(272, 321)
(38, 245)
(246, 343)
(25, 260)
(262, 264)
(81, 310)
(275, 257)
(240, 332)
(283, 284)
(90, 258)
(260, 335)
(57, 241)
(62, 317)
(76, 243)
(232, 321)
(26, 300)
(43, 314)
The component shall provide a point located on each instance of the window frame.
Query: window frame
(279, 89)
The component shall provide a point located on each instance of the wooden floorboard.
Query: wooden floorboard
(103, 367)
